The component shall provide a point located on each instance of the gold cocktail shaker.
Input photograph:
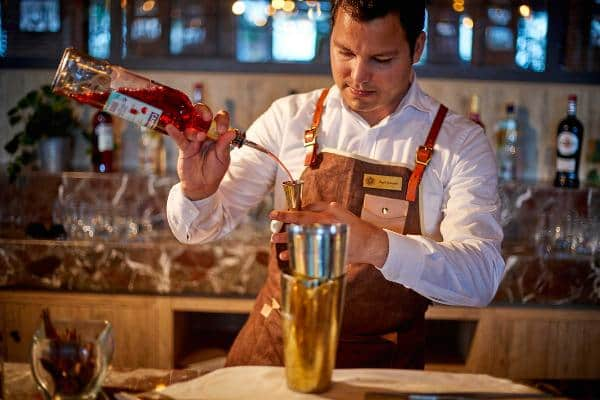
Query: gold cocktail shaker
(312, 304)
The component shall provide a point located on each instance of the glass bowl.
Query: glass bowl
(71, 363)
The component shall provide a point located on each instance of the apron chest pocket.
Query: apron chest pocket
(385, 212)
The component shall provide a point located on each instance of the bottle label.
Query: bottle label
(565, 164)
(132, 110)
(567, 143)
(105, 137)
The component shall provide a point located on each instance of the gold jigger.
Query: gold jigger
(293, 198)
(293, 194)
(312, 304)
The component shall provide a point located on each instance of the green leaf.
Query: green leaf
(30, 137)
(15, 119)
(12, 146)
(29, 100)
(47, 90)
(12, 111)
(27, 157)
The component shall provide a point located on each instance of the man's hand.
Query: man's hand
(202, 162)
(366, 242)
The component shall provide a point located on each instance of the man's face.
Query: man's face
(371, 64)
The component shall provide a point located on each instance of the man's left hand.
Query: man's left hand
(366, 242)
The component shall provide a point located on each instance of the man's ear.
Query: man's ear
(419, 47)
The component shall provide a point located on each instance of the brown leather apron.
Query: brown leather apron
(383, 321)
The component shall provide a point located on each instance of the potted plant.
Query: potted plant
(48, 123)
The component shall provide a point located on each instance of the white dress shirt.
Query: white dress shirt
(457, 259)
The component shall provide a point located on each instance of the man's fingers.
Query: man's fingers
(191, 150)
(303, 217)
(317, 206)
(284, 255)
(194, 135)
(224, 142)
(279, 237)
(222, 121)
(177, 136)
(339, 212)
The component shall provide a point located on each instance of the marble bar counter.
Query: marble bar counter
(161, 267)
(108, 234)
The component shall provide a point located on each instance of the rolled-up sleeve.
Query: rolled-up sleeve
(466, 266)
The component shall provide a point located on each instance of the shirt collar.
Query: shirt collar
(415, 98)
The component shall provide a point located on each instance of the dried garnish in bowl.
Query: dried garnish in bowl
(69, 359)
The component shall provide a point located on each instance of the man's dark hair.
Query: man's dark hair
(410, 12)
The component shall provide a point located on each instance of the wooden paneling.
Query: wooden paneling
(136, 322)
(537, 344)
(517, 343)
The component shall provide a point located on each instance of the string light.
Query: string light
(148, 5)
(458, 5)
(238, 8)
(288, 6)
(525, 11)
(467, 22)
(277, 4)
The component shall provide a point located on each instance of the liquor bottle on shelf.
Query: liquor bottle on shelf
(131, 97)
(102, 142)
(507, 145)
(152, 152)
(474, 112)
(569, 139)
(198, 93)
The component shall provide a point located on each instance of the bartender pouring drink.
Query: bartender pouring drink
(415, 183)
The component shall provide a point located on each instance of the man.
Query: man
(416, 185)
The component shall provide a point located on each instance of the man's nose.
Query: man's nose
(360, 71)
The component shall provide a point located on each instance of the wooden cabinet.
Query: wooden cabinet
(136, 322)
(155, 331)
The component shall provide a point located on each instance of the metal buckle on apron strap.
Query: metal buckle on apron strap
(424, 155)
(312, 148)
(310, 136)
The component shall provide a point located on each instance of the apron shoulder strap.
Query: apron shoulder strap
(310, 135)
(424, 154)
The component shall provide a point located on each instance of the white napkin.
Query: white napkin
(256, 382)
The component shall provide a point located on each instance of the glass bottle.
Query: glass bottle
(152, 152)
(474, 112)
(569, 139)
(102, 142)
(507, 146)
(129, 96)
(198, 92)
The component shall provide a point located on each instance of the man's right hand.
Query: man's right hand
(202, 162)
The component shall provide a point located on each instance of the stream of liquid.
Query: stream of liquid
(258, 147)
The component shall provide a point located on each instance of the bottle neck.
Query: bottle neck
(511, 121)
(572, 108)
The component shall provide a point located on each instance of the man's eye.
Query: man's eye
(383, 60)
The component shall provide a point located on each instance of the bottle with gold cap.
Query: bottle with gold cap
(474, 111)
